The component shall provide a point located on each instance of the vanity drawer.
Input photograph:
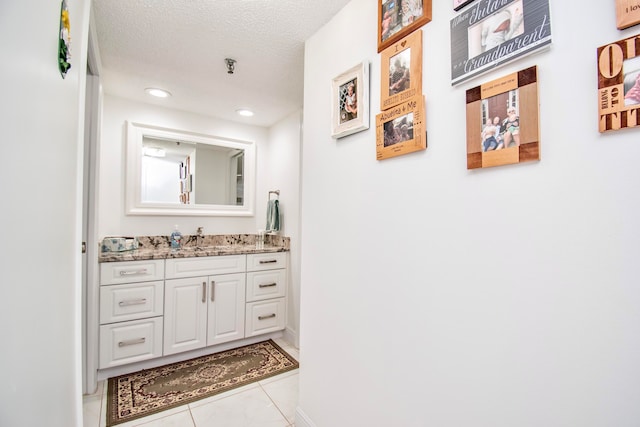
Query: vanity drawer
(177, 268)
(132, 301)
(266, 284)
(115, 273)
(264, 316)
(268, 261)
(128, 342)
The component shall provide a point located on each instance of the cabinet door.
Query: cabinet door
(185, 314)
(226, 308)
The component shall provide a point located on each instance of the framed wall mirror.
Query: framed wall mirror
(174, 172)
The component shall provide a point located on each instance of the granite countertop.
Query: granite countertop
(158, 247)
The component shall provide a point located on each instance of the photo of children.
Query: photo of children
(397, 14)
(348, 101)
(399, 75)
(398, 130)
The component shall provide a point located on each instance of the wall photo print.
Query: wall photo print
(350, 101)
(398, 18)
(619, 85)
(401, 70)
(503, 121)
(493, 32)
(627, 13)
(401, 129)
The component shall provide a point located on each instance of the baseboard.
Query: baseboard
(302, 420)
(291, 337)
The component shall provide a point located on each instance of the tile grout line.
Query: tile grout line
(275, 404)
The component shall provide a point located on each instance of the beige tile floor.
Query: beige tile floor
(268, 403)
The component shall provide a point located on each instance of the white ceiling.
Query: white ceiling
(181, 46)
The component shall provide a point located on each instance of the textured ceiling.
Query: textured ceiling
(181, 46)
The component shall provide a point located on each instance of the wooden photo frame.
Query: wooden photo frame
(401, 129)
(398, 18)
(627, 13)
(619, 85)
(401, 71)
(503, 121)
(459, 4)
(350, 101)
(483, 37)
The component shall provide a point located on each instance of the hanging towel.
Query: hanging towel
(273, 216)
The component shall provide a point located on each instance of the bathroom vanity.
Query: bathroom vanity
(157, 302)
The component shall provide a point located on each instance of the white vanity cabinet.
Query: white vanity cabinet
(154, 308)
(266, 290)
(131, 309)
(204, 302)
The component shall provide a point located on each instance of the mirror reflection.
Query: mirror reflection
(183, 173)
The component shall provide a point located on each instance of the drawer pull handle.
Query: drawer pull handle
(267, 316)
(133, 272)
(128, 302)
(213, 290)
(204, 291)
(132, 342)
(267, 285)
(268, 261)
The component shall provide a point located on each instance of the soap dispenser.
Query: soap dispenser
(176, 238)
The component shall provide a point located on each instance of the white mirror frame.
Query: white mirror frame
(134, 203)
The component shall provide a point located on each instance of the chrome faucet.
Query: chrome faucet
(199, 236)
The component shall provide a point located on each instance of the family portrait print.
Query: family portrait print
(501, 122)
(494, 32)
(398, 18)
(398, 130)
(399, 72)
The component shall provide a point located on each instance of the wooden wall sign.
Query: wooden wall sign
(401, 129)
(491, 33)
(503, 122)
(401, 71)
(619, 84)
(627, 13)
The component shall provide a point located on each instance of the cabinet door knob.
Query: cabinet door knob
(213, 290)
(204, 291)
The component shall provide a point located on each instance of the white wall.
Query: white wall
(284, 174)
(40, 252)
(112, 218)
(437, 296)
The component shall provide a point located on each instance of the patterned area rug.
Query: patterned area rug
(149, 391)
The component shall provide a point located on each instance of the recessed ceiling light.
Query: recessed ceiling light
(159, 93)
(245, 112)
